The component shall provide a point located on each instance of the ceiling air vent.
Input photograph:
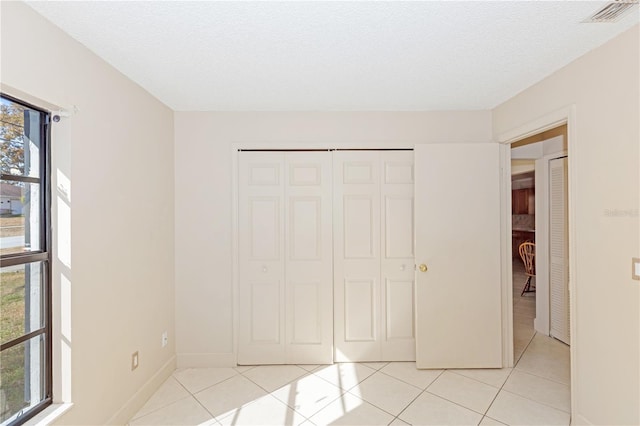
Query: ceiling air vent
(612, 11)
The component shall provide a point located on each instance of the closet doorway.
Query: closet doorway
(330, 265)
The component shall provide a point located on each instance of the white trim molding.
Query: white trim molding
(133, 404)
(206, 360)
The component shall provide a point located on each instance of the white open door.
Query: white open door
(457, 231)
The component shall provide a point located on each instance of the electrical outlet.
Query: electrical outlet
(134, 361)
(165, 339)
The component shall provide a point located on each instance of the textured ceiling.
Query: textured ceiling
(319, 56)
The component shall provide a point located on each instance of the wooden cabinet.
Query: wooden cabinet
(523, 201)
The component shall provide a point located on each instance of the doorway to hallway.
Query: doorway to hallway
(540, 216)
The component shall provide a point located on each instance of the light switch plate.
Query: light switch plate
(635, 268)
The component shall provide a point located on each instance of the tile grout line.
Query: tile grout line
(507, 379)
(306, 374)
(524, 397)
(418, 396)
(345, 390)
(558, 382)
(454, 402)
(364, 400)
(215, 419)
(498, 393)
(537, 402)
(544, 377)
(515, 364)
(372, 404)
(380, 408)
(348, 391)
(480, 381)
(208, 387)
(538, 375)
(164, 406)
(403, 381)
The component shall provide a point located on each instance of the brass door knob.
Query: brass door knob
(423, 268)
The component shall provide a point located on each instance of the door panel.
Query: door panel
(398, 226)
(356, 255)
(261, 257)
(285, 271)
(360, 310)
(265, 312)
(397, 340)
(399, 309)
(305, 228)
(359, 233)
(309, 262)
(558, 251)
(265, 216)
(307, 313)
(373, 255)
(458, 299)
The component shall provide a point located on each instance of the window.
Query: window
(25, 262)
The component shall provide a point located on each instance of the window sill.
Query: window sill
(49, 414)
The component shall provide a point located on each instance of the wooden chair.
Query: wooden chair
(528, 253)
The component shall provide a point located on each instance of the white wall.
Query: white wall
(605, 161)
(113, 269)
(204, 190)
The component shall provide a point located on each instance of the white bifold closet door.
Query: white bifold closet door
(373, 256)
(558, 250)
(285, 258)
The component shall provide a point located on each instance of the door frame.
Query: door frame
(565, 115)
(542, 320)
(235, 208)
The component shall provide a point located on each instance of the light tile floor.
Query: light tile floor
(524, 310)
(535, 392)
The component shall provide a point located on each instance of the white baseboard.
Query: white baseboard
(538, 328)
(187, 360)
(535, 325)
(131, 407)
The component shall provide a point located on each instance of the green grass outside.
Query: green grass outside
(12, 288)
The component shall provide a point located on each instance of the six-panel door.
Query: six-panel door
(373, 256)
(285, 263)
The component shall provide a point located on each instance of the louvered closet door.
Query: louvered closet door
(373, 256)
(285, 263)
(558, 250)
